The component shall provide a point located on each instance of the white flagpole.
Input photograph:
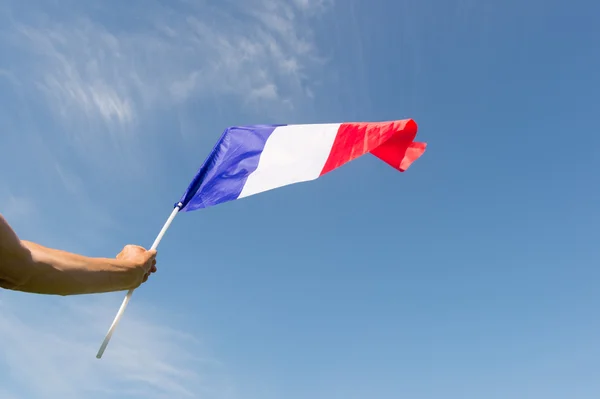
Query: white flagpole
(128, 296)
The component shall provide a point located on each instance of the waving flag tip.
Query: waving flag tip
(252, 159)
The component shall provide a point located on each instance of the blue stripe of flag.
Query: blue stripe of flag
(223, 174)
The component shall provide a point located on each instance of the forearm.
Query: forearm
(30, 267)
(50, 271)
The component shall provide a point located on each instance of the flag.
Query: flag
(249, 160)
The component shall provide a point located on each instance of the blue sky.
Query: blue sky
(473, 275)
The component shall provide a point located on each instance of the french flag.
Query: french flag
(249, 160)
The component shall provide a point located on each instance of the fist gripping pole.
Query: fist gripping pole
(128, 296)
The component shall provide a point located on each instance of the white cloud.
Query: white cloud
(49, 348)
(71, 72)
(313, 5)
(86, 69)
(267, 92)
(104, 82)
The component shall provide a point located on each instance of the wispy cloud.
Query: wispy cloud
(313, 6)
(74, 73)
(104, 82)
(49, 347)
(86, 69)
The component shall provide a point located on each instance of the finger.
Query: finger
(148, 268)
(150, 259)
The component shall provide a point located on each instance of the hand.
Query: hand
(142, 262)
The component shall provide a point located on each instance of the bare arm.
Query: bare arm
(30, 267)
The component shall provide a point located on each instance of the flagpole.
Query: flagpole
(130, 292)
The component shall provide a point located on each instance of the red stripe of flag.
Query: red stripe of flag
(392, 142)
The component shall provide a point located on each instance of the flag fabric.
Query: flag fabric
(248, 160)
